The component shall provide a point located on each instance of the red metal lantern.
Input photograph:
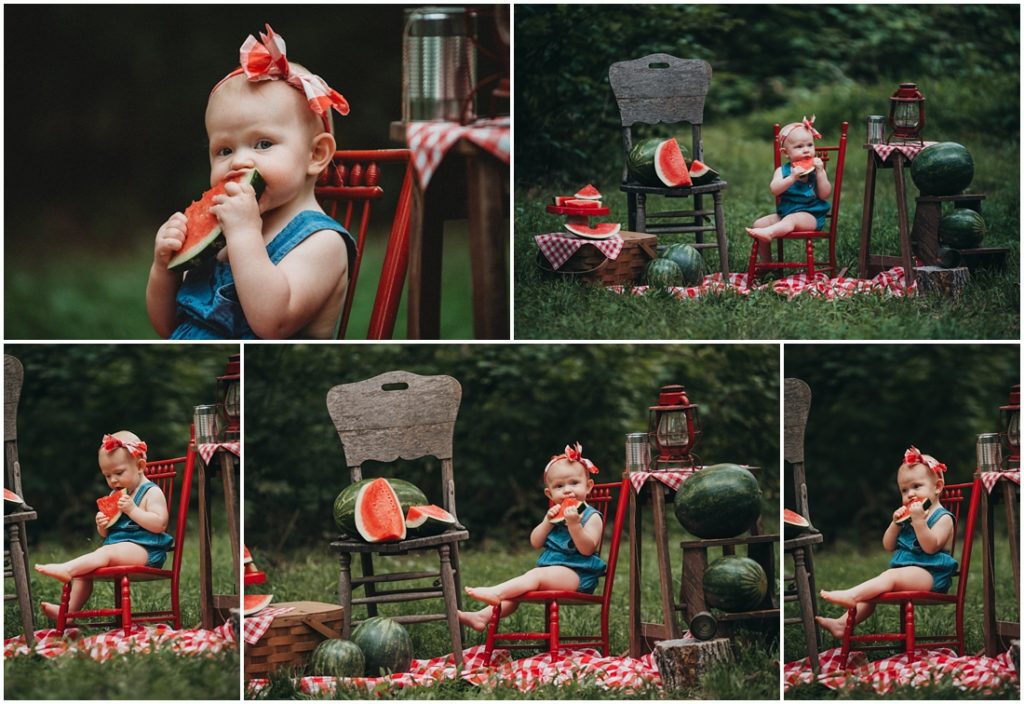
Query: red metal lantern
(1011, 423)
(229, 393)
(906, 113)
(673, 426)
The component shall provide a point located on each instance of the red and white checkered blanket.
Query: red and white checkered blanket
(253, 627)
(187, 641)
(557, 247)
(430, 141)
(673, 479)
(623, 673)
(971, 672)
(891, 282)
(884, 151)
(207, 449)
(990, 479)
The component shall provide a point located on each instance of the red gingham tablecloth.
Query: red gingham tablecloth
(430, 141)
(557, 247)
(253, 627)
(207, 449)
(627, 674)
(884, 151)
(990, 479)
(673, 479)
(971, 672)
(187, 641)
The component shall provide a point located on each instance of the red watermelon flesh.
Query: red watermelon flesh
(794, 519)
(108, 506)
(581, 203)
(588, 192)
(566, 503)
(803, 166)
(253, 603)
(203, 236)
(599, 231)
(903, 514)
(246, 555)
(670, 165)
(11, 496)
(379, 515)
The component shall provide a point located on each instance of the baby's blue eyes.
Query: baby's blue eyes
(262, 144)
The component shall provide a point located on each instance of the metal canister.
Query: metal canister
(638, 452)
(876, 129)
(950, 258)
(208, 423)
(439, 64)
(990, 453)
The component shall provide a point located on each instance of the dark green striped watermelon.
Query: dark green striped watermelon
(701, 173)
(385, 644)
(662, 273)
(690, 262)
(734, 583)
(942, 169)
(658, 162)
(962, 228)
(337, 658)
(428, 520)
(719, 501)
(345, 505)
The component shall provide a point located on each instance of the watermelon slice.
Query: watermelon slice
(600, 231)
(802, 167)
(428, 520)
(701, 173)
(246, 555)
(670, 165)
(253, 603)
(566, 503)
(581, 203)
(379, 515)
(12, 497)
(588, 192)
(904, 511)
(108, 506)
(792, 518)
(203, 236)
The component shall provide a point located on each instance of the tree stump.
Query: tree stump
(684, 662)
(943, 282)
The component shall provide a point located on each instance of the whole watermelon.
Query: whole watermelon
(734, 583)
(345, 505)
(942, 169)
(640, 161)
(689, 260)
(962, 228)
(662, 273)
(718, 501)
(385, 644)
(337, 658)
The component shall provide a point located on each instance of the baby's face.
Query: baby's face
(120, 469)
(917, 481)
(799, 144)
(266, 126)
(567, 480)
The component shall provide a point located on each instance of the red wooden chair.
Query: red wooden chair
(163, 473)
(954, 496)
(603, 497)
(808, 236)
(351, 185)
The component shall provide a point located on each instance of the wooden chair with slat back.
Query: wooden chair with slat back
(800, 586)
(16, 515)
(347, 190)
(660, 88)
(390, 416)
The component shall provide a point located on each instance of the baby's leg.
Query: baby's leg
(836, 626)
(770, 230)
(549, 577)
(105, 556)
(896, 579)
(81, 590)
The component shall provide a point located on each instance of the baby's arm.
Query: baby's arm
(101, 524)
(587, 538)
(162, 287)
(151, 514)
(931, 539)
(823, 187)
(540, 533)
(780, 183)
(891, 533)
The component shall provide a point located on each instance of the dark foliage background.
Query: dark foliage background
(870, 402)
(520, 405)
(567, 122)
(73, 394)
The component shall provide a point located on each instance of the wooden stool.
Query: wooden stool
(999, 633)
(215, 608)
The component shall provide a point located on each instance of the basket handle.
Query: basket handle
(320, 627)
(545, 265)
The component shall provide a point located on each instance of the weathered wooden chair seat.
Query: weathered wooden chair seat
(400, 415)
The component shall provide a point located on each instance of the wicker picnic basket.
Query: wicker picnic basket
(292, 637)
(591, 266)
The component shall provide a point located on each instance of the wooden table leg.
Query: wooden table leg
(426, 237)
(668, 609)
(903, 220)
(488, 238)
(227, 470)
(205, 566)
(635, 573)
(867, 215)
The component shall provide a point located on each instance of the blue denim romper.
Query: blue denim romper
(941, 564)
(208, 305)
(559, 549)
(125, 530)
(802, 197)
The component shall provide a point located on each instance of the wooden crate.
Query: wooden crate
(292, 637)
(591, 266)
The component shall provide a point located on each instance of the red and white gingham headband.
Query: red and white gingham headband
(914, 456)
(573, 453)
(266, 62)
(135, 449)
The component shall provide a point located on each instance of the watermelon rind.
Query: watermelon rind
(792, 518)
(386, 646)
(560, 516)
(718, 501)
(701, 173)
(733, 583)
(962, 228)
(670, 165)
(379, 502)
(689, 260)
(209, 244)
(602, 230)
(663, 273)
(422, 521)
(254, 603)
(337, 658)
(942, 169)
(640, 161)
(345, 504)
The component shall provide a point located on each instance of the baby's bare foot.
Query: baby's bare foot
(841, 597)
(57, 571)
(477, 620)
(49, 610)
(759, 234)
(484, 594)
(834, 626)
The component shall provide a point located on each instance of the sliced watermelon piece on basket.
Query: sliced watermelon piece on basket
(379, 515)
(12, 497)
(253, 603)
(108, 506)
(602, 230)
(566, 503)
(670, 165)
(588, 192)
(428, 520)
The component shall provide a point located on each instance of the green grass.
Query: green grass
(159, 675)
(312, 574)
(550, 308)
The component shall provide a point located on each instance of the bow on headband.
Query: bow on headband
(135, 449)
(573, 453)
(266, 61)
(808, 124)
(914, 456)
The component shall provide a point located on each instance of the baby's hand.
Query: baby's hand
(818, 163)
(169, 238)
(101, 519)
(237, 209)
(552, 512)
(916, 509)
(572, 516)
(125, 504)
